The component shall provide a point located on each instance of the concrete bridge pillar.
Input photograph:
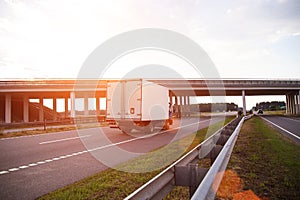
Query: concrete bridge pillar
(25, 109)
(188, 108)
(180, 107)
(86, 105)
(244, 102)
(176, 107)
(296, 104)
(97, 106)
(66, 107)
(7, 108)
(185, 100)
(171, 99)
(293, 104)
(184, 106)
(72, 97)
(41, 109)
(288, 112)
(54, 108)
(290, 104)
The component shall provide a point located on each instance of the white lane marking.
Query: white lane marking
(13, 169)
(296, 120)
(292, 134)
(143, 137)
(91, 150)
(64, 139)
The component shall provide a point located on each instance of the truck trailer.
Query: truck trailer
(139, 105)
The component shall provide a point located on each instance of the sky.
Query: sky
(244, 38)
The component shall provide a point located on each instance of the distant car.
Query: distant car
(260, 111)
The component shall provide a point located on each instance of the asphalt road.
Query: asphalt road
(288, 126)
(32, 166)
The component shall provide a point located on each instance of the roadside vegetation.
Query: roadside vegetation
(116, 184)
(40, 130)
(275, 112)
(264, 165)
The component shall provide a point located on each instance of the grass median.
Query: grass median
(264, 165)
(116, 184)
(49, 129)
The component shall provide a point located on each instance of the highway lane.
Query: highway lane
(35, 165)
(290, 127)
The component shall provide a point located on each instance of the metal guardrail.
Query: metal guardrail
(206, 190)
(185, 171)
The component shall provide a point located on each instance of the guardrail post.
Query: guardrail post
(214, 153)
(189, 176)
(194, 178)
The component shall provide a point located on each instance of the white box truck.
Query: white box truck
(137, 104)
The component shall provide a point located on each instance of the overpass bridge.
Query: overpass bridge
(23, 90)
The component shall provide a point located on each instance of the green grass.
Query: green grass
(40, 130)
(268, 163)
(275, 112)
(117, 184)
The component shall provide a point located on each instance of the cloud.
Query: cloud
(55, 36)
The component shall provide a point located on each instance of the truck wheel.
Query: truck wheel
(150, 128)
(125, 130)
(166, 125)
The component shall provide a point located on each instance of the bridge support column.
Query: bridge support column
(25, 109)
(180, 107)
(8, 108)
(54, 108)
(292, 97)
(295, 104)
(244, 102)
(188, 107)
(184, 106)
(72, 97)
(292, 106)
(97, 106)
(41, 109)
(287, 107)
(66, 107)
(176, 100)
(298, 102)
(176, 107)
(86, 105)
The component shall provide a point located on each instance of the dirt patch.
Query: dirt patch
(231, 183)
(245, 195)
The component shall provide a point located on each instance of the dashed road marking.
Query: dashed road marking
(64, 139)
(86, 151)
(13, 169)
